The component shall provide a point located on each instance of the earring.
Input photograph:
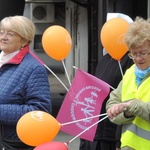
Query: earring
(22, 47)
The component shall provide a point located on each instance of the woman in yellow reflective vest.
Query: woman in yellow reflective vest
(129, 104)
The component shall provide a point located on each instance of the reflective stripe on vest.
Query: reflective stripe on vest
(136, 134)
(136, 130)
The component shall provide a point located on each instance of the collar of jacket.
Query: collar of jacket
(19, 56)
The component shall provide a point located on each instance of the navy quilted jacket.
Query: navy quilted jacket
(24, 87)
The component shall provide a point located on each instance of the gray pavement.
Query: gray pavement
(63, 137)
(57, 95)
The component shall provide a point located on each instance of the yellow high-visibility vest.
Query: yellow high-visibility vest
(135, 134)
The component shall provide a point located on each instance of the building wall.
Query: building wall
(55, 16)
(75, 19)
(77, 25)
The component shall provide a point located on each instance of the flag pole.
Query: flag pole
(86, 129)
(71, 122)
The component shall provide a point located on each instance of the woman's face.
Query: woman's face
(141, 56)
(10, 41)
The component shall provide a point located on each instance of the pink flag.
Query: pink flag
(40, 61)
(84, 99)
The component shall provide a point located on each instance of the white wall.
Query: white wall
(77, 25)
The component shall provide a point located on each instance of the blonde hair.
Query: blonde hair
(138, 33)
(21, 25)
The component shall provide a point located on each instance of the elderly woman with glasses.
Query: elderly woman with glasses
(129, 104)
(24, 84)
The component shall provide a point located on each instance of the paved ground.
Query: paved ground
(57, 91)
(57, 94)
(63, 137)
(56, 86)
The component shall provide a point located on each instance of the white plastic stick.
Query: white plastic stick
(120, 67)
(86, 129)
(66, 72)
(71, 122)
(56, 77)
(42, 63)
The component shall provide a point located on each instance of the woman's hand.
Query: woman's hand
(116, 109)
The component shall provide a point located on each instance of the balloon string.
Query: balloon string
(56, 77)
(67, 123)
(120, 67)
(86, 129)
(66, 72)
(77, 68)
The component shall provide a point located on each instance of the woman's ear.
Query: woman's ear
(24, 42)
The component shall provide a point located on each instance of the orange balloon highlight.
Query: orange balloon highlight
(56, 42)
(112, 37)
(37, 127)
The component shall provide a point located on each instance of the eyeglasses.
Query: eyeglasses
(141, 54)
(8, 34)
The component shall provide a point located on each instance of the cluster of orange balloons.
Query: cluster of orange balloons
(57, 42)
(112, 37)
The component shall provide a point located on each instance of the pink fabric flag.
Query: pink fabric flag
(84, 99)
(40, 61)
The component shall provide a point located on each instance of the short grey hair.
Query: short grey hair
(138, 33)
(21, 25)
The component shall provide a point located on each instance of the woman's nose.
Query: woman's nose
(4, 36)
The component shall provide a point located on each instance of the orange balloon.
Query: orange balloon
(37, 127)
(56, 42)
(112, 37)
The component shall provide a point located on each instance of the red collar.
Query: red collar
(19, 56)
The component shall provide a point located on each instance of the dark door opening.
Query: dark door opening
(132, 8)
